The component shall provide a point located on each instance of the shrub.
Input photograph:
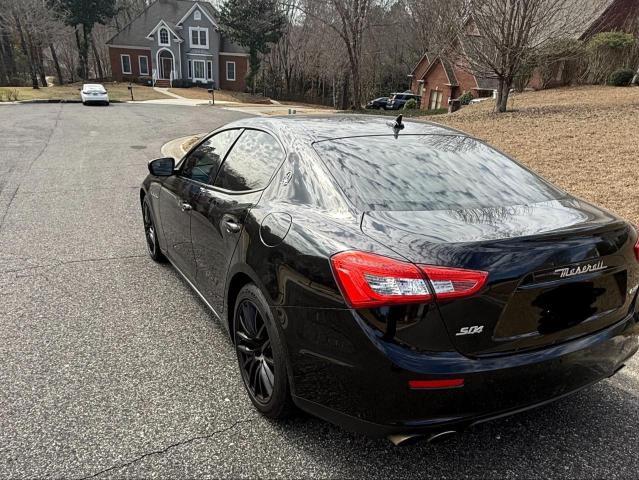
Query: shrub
(621, 77)
(410, 104)
(560, 62)
(466, 98)
(609, 52)
(182, 83)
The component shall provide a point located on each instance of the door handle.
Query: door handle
(232, 226)
(185, 207)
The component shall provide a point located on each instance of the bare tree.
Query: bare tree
(349, 19)
(434, 23)
(495, 38)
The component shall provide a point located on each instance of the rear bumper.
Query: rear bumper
(95, 98)
(363, 385)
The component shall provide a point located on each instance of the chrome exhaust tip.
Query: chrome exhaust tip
(441, 436)
(400, 440)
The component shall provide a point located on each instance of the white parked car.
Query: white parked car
(94, 93)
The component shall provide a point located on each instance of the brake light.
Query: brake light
(367, 280)
(637, 249)
(450, 283)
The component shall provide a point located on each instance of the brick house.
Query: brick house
(177, 40)
(440, 80)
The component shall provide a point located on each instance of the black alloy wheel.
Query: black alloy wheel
(260, 354)
(255, 352)
(150, 233)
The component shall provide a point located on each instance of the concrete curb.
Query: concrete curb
(174, 147)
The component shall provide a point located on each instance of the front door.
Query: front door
(176, 199)
(167, 67)
(222, 210)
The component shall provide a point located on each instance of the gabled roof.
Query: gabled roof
(617, 15)
(424, 57)
(166, 24)
(204, 11)
(171, 11)
(448, 69)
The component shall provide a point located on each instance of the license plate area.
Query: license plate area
(574, 306)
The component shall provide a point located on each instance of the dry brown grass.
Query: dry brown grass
(584, 139)
(117, 92)
(199, 93)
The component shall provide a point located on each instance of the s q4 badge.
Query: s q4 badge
(470, 330)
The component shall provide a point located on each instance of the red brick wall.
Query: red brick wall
(135, 53)
(436, 80)
(241, 69)
(465, 80)
(421, 68)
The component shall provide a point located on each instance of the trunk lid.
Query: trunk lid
(558, 270)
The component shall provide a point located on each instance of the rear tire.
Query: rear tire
(150, 233)
(260, 353)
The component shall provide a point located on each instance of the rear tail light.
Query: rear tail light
(450, 283)
(368, 280)
(637, 244)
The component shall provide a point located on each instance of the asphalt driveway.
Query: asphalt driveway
(111, 367)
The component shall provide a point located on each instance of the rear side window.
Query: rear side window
(203, 162)
(429, 172)
(251, 162)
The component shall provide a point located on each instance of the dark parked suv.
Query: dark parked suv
(398, 100)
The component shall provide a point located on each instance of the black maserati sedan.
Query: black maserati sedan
(399, 279)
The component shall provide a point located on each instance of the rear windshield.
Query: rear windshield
(429, 172)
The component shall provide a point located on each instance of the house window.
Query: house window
(164, 37)
(144, 65)
(190, 69)
(199, 70)
(230, 71)
(125, 61)
(435, 99)
(209, 70)
(199, 37)
(197, 15)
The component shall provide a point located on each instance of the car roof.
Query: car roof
(315, 128)
(96, 85)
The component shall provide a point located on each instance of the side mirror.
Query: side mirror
(162, 167)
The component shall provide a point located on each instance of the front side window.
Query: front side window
(202, 163)
(251, 162)
(126, 63)
(164, 36)
(429, 172)
(230, 71)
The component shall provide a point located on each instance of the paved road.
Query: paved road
(110, 366)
